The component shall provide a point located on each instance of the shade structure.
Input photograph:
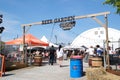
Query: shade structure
(29, 40)
(44, 39)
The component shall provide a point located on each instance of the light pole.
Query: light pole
(56, 38)
(119, 43)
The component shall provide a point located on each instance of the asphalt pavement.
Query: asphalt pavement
(44, 72)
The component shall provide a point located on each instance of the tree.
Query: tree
(114, 3)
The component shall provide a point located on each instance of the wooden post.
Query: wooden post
(24, 46)
(107, 41)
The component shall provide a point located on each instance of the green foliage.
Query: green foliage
(2, 45)
(115, 3)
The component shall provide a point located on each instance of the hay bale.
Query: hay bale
(109, 76)
(92, 73)
(100, 74)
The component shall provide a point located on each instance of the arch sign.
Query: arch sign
(57, 20)
(66, 22)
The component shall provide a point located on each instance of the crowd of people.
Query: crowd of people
(57, 55)
(52, 55)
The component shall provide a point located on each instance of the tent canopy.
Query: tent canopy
(50, 43)
(29, 39)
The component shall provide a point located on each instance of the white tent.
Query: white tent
(96, 36)
(46, 40)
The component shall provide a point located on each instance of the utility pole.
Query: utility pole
(56, 38)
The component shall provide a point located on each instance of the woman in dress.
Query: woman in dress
(59, 52)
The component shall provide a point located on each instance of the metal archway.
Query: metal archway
(64, 19)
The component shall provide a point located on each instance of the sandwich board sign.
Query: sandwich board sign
(1, 64)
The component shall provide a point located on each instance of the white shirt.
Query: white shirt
(59, 53)
(90, 51)
(111, 52)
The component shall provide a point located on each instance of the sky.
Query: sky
(18, 12)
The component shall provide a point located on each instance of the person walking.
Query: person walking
(91, 51)
(59, 52)
(52, 55)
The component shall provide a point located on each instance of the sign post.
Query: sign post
(1, 65)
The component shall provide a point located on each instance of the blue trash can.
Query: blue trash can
(76, 68)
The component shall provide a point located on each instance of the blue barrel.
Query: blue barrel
(76, 68)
